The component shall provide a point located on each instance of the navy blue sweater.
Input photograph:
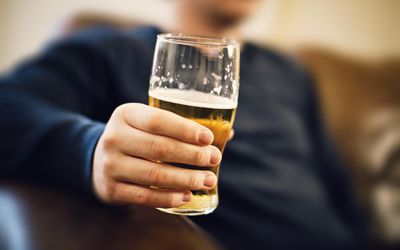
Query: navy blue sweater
(280, 185)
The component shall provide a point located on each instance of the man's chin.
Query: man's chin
(227, 19)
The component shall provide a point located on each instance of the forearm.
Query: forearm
(45, 142)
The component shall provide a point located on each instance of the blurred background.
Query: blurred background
(352, 47)
(365, 28)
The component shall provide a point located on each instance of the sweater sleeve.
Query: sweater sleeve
(52, 111)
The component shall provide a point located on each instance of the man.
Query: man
(76, 116)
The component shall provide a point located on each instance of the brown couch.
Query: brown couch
(361, 103)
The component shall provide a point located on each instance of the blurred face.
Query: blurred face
(225, 12)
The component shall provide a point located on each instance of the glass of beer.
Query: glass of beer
(197, 78)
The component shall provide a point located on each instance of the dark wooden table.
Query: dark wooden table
(34, 217)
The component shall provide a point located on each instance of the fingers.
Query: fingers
(144, 172)
(162, 122)
(135, 194)
(160, 148)
(137, 135)
(231, 134)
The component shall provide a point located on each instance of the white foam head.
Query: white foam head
(193, 98)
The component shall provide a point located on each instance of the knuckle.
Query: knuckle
(159, 148)
(109, 165)
(120, 109)
(188, 132)
(199, 157)
(136, 108)
(155, 176)
(170, 198)
(109, 141)
(127, 107)
(193, 181)
(154, 123)
(110, 190)
(141, 197)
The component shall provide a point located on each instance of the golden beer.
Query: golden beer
(214, 112)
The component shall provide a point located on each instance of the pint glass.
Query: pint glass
(197, 78)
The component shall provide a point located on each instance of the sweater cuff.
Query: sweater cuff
(89, 140)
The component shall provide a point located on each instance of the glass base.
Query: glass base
(190, 212)
(200, 205)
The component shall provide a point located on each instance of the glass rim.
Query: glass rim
(193, 40)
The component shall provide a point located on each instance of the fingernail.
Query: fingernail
(187, 196)
(205, 137)
(215, 156)
(210, 181)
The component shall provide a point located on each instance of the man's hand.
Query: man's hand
(128, 155)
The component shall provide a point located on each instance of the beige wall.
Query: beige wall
(368, 28)
(360, 27)
(27, 25)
